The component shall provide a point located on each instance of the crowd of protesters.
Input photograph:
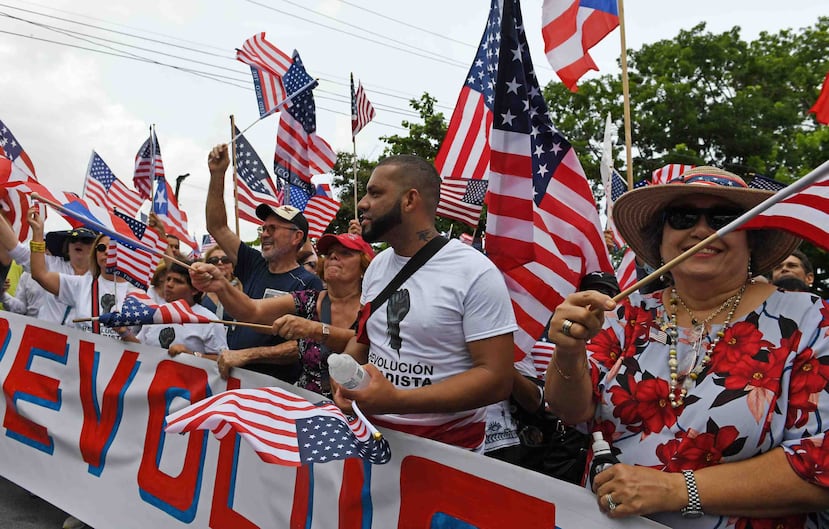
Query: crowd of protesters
(432, 322)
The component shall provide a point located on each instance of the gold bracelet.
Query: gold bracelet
(561, 373)
(37, 246)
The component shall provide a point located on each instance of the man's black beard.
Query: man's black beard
(381, 225)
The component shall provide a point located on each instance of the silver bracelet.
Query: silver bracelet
(694, 507)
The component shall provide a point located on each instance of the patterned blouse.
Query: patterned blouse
(313, 355)
(767, 386)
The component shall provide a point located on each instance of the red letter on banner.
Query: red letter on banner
(100, 423)
(176, 495)
(222, 515)
(431, 492)
(23, 384)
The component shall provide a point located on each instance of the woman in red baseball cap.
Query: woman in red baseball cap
(315, 324)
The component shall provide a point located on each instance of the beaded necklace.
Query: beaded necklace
(676, 394)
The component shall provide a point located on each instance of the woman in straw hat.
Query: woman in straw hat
(313, 323)
(712, 392)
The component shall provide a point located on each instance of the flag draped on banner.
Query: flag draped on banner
(300, 153)
(543, 228)
(136, 265)
(570, 28)
(254, 184)
(138, 309)
(821, 107)
(267, 66)
(11, 149)
(282, 428)
(174, 219)
(103, 188)
(362, 112)
(462, 199)
(148, 166)
(665, 174)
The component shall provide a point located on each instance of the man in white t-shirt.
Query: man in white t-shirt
(440, 348)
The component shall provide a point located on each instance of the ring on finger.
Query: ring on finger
(565, 328)
(611, 505)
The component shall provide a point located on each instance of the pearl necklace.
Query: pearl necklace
(676, 394)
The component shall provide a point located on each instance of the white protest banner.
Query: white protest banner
(83, 419)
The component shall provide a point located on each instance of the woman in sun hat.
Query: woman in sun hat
(315, 323)
(711, 392)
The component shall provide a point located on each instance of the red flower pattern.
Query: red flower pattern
(645, 408)
(693, 450)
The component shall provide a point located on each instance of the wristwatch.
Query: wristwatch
(326, 332)
(694, 507)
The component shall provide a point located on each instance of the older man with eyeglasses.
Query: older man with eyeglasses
(272, 272)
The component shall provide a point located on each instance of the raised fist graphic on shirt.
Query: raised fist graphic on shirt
(396, 309)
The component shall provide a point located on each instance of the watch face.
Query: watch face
(692, 513)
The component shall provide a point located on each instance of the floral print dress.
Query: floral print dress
(766, 386)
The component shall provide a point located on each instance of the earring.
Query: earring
(750, 279)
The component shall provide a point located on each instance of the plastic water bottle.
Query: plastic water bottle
(603, 457)
(347, 372)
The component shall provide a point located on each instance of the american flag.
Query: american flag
(136, 265)
(174, 219)
(299, 151)
(148, 166)
(138, 309)
(319, 208)
(626, 269)
(207, 242)
(104, 189)
(361, 109)
(462, 200)
(802, 209)
(570, 28)
(821, 107)
(14, 199)
(543, 228)
(254, 184)
(267, 66)
(10, 148)
(665, 174)
(759, 181)
(282, 428)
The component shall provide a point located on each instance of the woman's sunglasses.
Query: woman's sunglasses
(101, 247)
(216, 260)
(687, 218)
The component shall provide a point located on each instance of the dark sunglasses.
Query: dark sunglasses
(101, 247)
(687, 218)
(216, 260)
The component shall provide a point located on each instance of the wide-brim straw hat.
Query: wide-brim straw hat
(637, 210)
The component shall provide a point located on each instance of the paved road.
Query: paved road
(20, 510)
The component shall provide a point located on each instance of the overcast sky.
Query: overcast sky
(62, 100)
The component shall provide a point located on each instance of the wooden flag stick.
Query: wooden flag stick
(626, 95)
(257, 326)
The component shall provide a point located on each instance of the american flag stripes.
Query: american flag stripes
(11, 149)
(138, 309)
(103, 188)
(803, 212)
(665, 174)
(462, 200)
(543, 228)
(570, 28)
(254, 184)
(148, 166)
(14, 196)
(626, 269)
(542, 352)
(136, 265)
(361, 109)
(267, 66)
(821, 107)
(282, 428)
(317, 204)
(299, 151)
(174, 219)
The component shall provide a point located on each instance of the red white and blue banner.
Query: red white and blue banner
(83, 428)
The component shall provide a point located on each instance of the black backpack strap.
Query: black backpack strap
(418, 259)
